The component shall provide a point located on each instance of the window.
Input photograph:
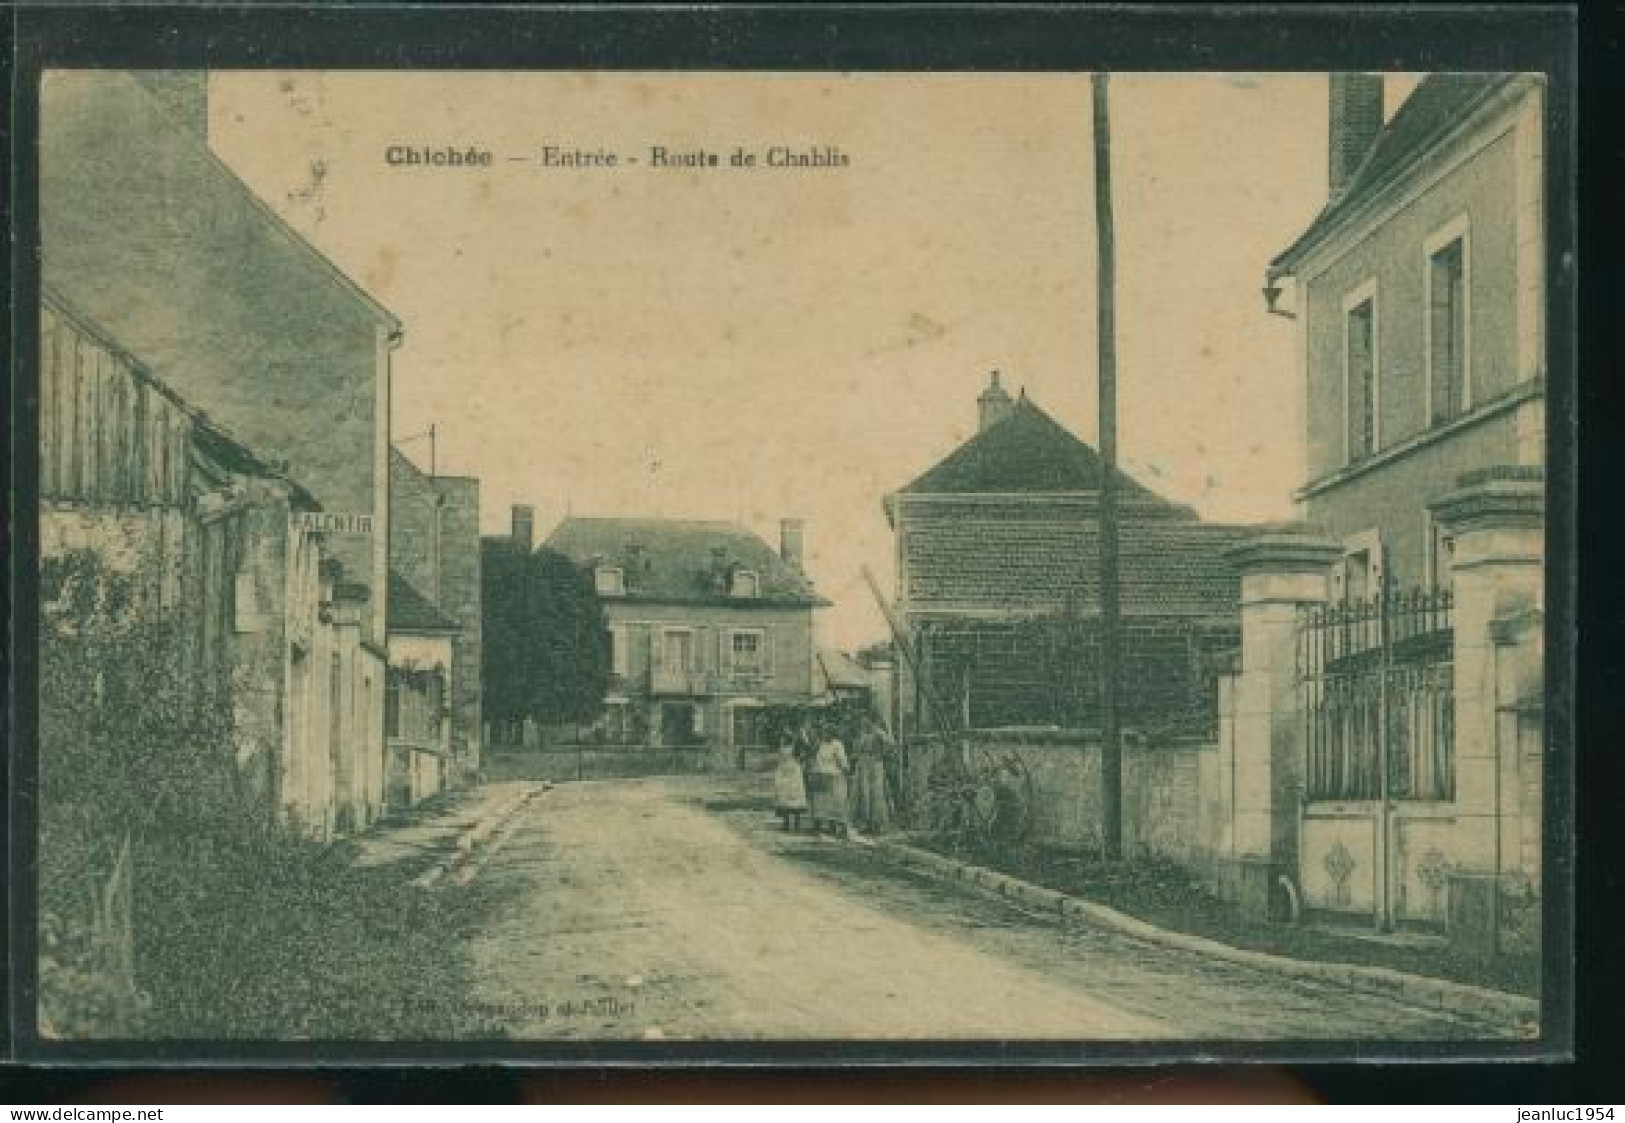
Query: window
(1441, 548)
(1357, 576)
(1360, 373)
(1447, 330)
(747, 653)
(745, 584)
(609, 582)
(678, 652)
(392, 706)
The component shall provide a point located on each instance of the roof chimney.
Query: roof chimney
(993, 405)
(524, 526)
(1353, 123)
(790, 535)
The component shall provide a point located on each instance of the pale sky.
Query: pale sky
(749, 344)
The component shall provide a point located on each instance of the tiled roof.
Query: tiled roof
(1173, 568)
(1436, 106)
(675, 561)
(411, 611)
(1025, 451)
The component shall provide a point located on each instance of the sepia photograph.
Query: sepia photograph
(540, 557)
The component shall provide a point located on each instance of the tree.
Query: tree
(547, 654)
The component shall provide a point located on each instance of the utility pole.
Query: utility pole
(1111, 733)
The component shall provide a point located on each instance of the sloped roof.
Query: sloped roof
(1167, 567)
(411, 611)
(674, 561)
(1027, 450)
(841, 671)
(1434, 108)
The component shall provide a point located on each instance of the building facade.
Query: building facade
(434, 548)
(1388, 736)
(218, 544)
(709, 626)
(148, 237)
(998, 568)
(423, 676)
(1420, 305)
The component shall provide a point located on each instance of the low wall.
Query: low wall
(560, 763)
(1163, 813)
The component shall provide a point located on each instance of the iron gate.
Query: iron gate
(1379, 697)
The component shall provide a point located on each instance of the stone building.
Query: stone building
(709, 626)
(1388, 743)
(218, 543)
(150, 238)
(998, 568)
(434, 549)
(1420, 301)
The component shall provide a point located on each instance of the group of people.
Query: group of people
(835, 788)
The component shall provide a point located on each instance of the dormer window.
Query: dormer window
(744, 584)
(610, 581)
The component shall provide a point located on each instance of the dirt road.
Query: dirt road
(672, 909)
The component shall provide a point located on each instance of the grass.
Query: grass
(1168, 896)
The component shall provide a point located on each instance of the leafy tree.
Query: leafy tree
(546, 641)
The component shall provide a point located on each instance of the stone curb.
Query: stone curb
(469, 841)
(1476, 1003)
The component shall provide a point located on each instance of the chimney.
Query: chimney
(524, 526)
(1353, 123)
(992, 406)
(790, 533)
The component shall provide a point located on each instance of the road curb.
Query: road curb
(1477, 1003)
(468, 843)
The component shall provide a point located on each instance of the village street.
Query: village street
(675, 909)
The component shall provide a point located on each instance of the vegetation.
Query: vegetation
(171, 901)
(546, 643)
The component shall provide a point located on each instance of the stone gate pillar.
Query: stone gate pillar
(1496, 521)
(1282, 571)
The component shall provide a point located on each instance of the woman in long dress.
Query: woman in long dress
(871, 810)
(789, 786)
(829, 769)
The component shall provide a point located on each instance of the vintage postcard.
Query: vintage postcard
(533, 558)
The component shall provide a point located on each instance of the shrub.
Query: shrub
(237, 925)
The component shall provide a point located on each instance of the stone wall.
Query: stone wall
(1163, 806)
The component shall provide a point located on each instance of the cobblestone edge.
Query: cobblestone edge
(1476, 1003)
(467, 843)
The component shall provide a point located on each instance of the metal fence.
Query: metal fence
(1379, 697)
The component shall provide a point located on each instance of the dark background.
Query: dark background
(1165, 38)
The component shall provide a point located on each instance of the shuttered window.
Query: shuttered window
(1360, 356)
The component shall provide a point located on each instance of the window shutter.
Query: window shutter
(620, 650)
(767, 652)
(725, 652)
(657, 648)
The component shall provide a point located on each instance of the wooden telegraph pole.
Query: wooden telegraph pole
(1111, 733)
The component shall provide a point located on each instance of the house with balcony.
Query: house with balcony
(709, 626)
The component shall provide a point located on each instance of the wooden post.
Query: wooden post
(1111, 747)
